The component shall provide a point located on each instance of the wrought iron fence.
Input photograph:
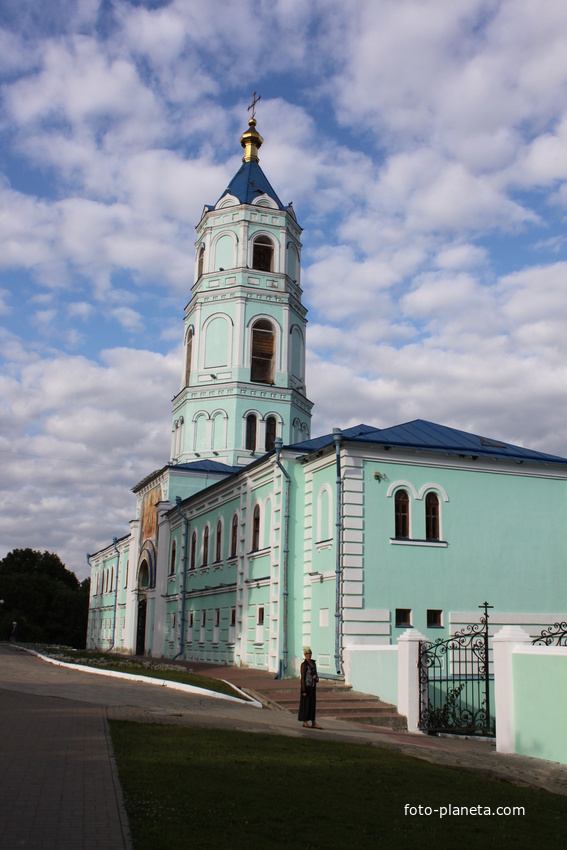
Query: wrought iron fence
(455, 681)
(555, 635)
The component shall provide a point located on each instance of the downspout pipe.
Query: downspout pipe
(183, 575)
(285, 592)
(114, 543)
(338, 438)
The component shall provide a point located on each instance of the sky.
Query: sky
(424, 146)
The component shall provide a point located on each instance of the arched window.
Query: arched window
(144, 575)
(263, 254)
(193, 557)
(251, 432)
(234, 537)
(401, 503)
(111, 579)
(218, 544)
(271, 430)
(205, 546)
(188, 355)
(173, 558)
(201, 263)
(263, 352)
(256, 529)
(432, 516)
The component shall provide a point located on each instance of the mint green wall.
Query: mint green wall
(256, 653)
(540, 697)
(374, 670)
(500, 548)
(323, 637)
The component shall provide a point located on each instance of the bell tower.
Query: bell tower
(243, 380)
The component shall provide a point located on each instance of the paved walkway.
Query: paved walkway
(58, 782)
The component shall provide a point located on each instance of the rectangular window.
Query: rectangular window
(203, 624)
(434, 618)
(216, 623)
(190, 627)
(403, 618)
(260, 625)
(232, 626)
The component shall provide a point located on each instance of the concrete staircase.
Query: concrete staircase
(339, 701)
(335, 699)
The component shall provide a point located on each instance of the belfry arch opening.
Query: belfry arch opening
(263, 254)
(263, 352)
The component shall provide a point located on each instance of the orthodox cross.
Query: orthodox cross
(253, 104)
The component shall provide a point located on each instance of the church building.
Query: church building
(257, 538)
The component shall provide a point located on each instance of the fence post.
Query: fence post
(503, 643)
(408, 677)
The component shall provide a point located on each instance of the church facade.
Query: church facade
(257, 538)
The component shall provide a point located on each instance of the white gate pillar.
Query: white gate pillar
(408, 677)
(503, 644)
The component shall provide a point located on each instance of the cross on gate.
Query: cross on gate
(253, 104)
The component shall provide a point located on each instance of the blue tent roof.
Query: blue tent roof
(424, 435)
(249, 183)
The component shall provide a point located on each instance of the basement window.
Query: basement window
(403, 618)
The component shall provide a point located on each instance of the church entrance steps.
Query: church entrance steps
(348, 705)
(335, 699)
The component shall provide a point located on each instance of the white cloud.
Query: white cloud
(130, 319)
(410, 134)
(75, 437)
(461, 257)
(81, 309)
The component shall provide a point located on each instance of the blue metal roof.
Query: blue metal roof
(206, 465)
(249, 183)
(424, 435)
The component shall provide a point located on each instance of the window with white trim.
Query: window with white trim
(432, 516)
(234, 537)
(263, 254)
(262, 364)
(259, 639)
(216, 625)
(401, 511)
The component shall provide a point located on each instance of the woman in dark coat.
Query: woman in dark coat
(307, 701)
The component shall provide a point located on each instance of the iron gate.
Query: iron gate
(454, 682)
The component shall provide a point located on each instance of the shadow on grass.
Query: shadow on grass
(187, 787)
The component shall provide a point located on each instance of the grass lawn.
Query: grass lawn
(187, 787)
(138, 667)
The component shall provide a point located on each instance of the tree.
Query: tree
(46, 599)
